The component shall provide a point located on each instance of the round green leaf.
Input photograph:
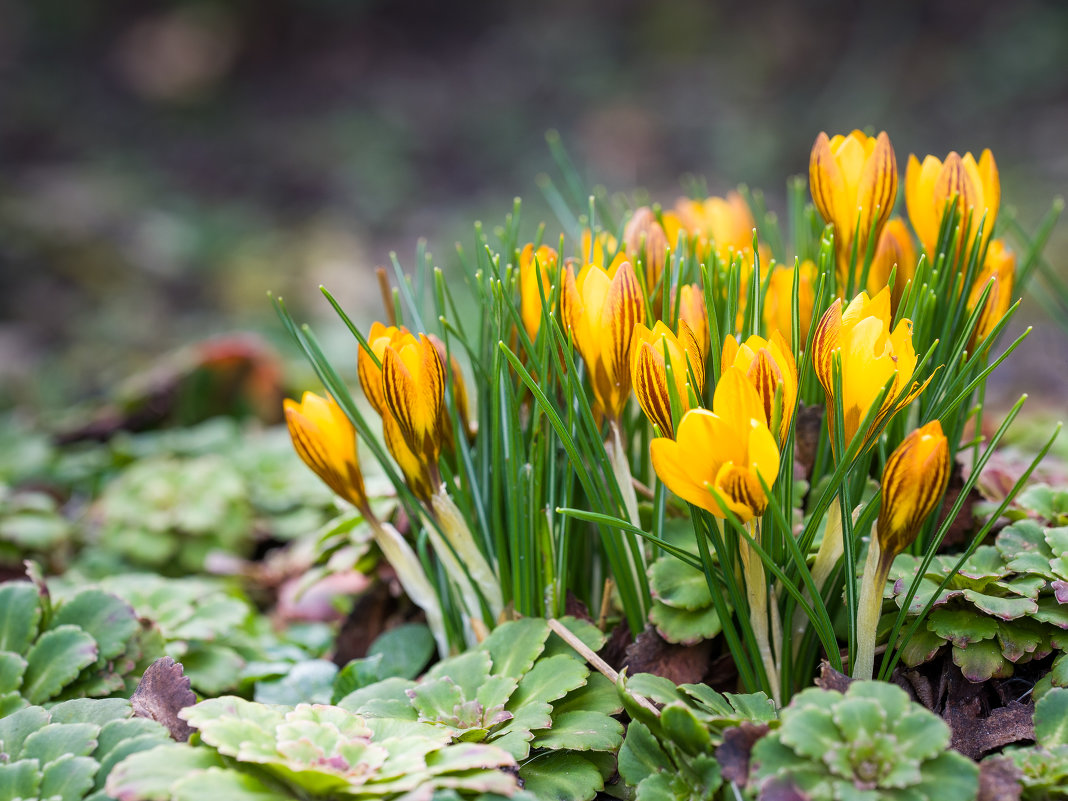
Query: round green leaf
(55, 661)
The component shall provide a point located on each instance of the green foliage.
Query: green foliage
(1043, 767)
(670, 754)
(524, 691)
(91, 644)
(214, 631)
(170, 514)
(682, 608)
(32, 526)
(1001, 609)
(246, 751)
(65, 753)
(871, 744)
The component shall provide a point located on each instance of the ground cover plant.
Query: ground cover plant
(687, 440)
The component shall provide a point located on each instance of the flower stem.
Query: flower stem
(462, 541)
(869, 608)
(757, 594)
(410, 573)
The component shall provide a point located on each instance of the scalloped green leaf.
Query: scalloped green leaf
(107, 619)
(921, 647)
(56, 739)
(307, 682)
(682, 626)
(68, 778)
(598, 694)
(1051, 718)
(16, 727)
(513, 646)
(581, 731)
(468, 671)
(12, 668)
(1049, 611)
(961, 626)
(549, 680)
(1002, 607)
(561, 776)
(55, 660)
(387, 698)
(20, 615)
(685, 730)
(678, 585)
(641, 756)
(982, 661)
(20, 779)
(99, 711)
(949, 777)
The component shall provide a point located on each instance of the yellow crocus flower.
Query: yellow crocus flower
(649, 370)
(644, 237)
(778, 302)
(767, 364)
(595, 250)
(535, 265)
(412, 465)
(720, 456)
(692, 310)
(413, 385)
(727, 223)
(930, 185)
(871, 356)
(895, 249)
(601, 313)
(915, 476)
(854, 185)
(326, 440)
(999, 270)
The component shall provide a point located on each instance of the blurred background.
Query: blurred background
(164, 164)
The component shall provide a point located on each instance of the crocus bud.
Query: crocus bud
(326, 440)
(725, 222)
(413, 384)
(895, 249)
(649, 370)
(999, 271)
(645, 237)
(929, 187)
(778, 302)
(692, 310)
(854, 185)
(914, 479)
(535, 265)
(601, 313)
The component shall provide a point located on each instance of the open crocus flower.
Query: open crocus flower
(999, 271)
(535, 265)
(326, 440)
(778, 302)
(649, 370)
(645, 237)
(871, 355)
(895, 249)
(767, 364)
(601, 313)
(930, 185)
(720, 456)
(854, 185)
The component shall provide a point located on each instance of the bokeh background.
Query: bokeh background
(164, 164)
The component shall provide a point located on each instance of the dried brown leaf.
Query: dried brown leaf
(161, 694)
